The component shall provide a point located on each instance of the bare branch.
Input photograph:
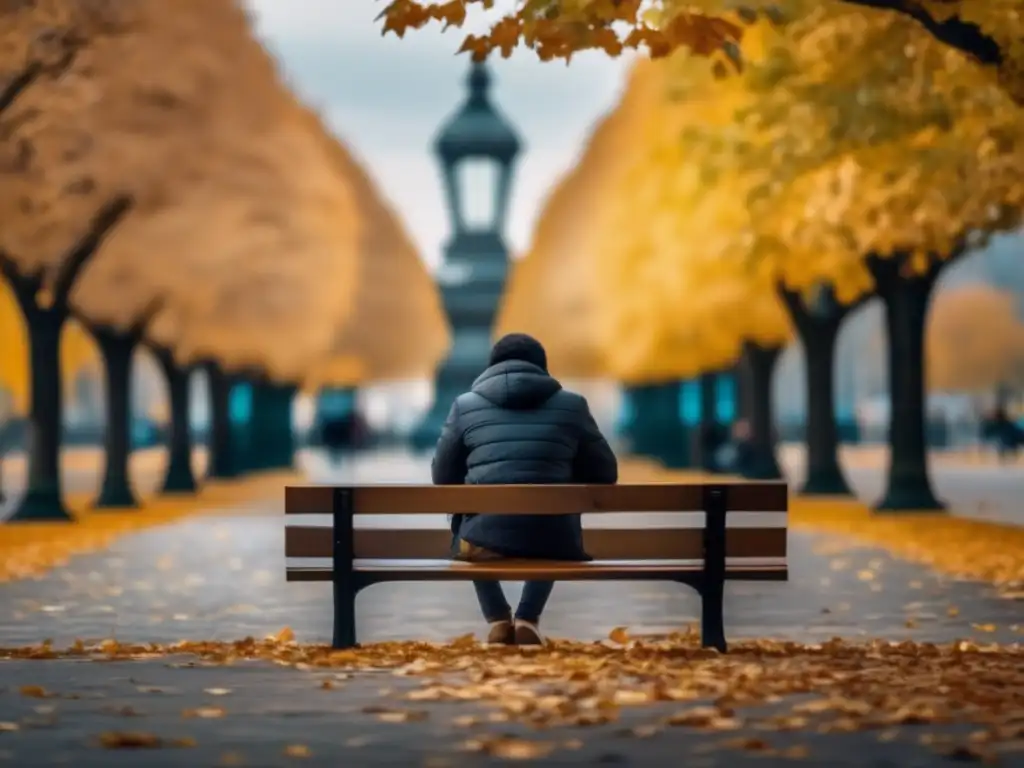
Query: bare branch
(103, 222)
(18, 84)
(140, 326)
(955, 32)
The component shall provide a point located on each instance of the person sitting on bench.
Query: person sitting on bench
(518, 425)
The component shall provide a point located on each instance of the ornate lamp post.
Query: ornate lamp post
(477, 149)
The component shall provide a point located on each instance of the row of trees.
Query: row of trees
(854, 156)
(160, 184)
(975, 341)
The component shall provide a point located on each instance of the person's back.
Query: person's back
(518, 426)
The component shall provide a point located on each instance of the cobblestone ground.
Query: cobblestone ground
(223, 578)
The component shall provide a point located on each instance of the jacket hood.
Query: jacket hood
(515, 384)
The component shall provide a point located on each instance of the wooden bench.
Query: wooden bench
(735, 532)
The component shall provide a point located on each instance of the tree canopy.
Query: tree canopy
(77, 352)
(989, 31)
(397, 328)
(246, 242)
(849, 136)
(975, 340)
(552, 292)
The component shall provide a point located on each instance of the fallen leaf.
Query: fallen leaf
(286, 635)
(297, 750)
(205, 713)
(619, 635)
(133, 740)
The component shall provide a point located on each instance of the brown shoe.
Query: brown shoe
(527, 633)
(501, 633)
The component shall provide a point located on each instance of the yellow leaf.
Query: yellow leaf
(619, 635)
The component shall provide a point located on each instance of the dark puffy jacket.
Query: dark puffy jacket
(518, 426)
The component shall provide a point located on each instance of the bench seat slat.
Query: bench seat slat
(756, 569)
(534, 499)
(600, 543)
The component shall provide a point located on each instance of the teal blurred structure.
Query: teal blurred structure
(662, 421)
(472, 274)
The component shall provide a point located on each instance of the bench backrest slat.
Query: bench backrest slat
(533, 499)
(600, 543)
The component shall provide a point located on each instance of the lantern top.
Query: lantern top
(477, 129)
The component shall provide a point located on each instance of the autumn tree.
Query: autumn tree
(975, 340)
(103, 139)
(552, 291)
(669, 309)
(77, 352)
(853, 155)
(987, 31)
(268, 249)
(397, 328)
(925, 163)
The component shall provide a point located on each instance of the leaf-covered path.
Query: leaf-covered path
(221, 578)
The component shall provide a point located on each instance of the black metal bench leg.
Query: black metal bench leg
(712, 583)
(712, 622)
(345, 583)
(344, 616)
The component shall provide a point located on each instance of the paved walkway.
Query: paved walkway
(262, 715)
(983, 491)
(216, 577)
(223, 578)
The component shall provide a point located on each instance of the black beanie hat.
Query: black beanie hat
(519, 346)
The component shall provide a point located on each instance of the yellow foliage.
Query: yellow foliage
(397, 328)
(552, 292)
(973, 549)
(240, 225)
(560, 28)
(975, 340)
(671, 306)
(850, 134)
(865, 135)
(77, 351)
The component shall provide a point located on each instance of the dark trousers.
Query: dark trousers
(496, 608)
(491, 596)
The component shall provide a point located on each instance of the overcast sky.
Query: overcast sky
(386, 98)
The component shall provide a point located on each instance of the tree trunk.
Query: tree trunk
(824, 475)
(43, 499)
(261, 426)
(642, 439)
(673, 442)
(743, 390)
(906, 300)
(179, 477)
(758, 373)
(708, 426)
(626, 424)
(117, 350)
(243, 447)
(280, 435)
(819, 332)
(222, 460)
